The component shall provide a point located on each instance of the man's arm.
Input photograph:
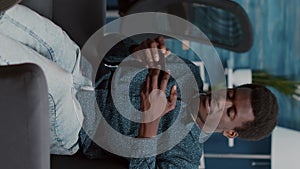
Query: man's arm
(154, 102)
(187, 153)
(153, 92)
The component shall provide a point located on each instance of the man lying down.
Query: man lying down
(249, 111)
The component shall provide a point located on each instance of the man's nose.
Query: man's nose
(224, 102)
(228, 103)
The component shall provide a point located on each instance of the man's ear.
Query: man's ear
(230, 133)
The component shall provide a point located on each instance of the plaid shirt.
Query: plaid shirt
(185, 154)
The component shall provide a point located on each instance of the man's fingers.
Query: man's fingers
(145, 92)
(152, 52)
(137, 56)
(145, 54)
(149, 59)
(154, 78)
(162, 47)
(173, 98)
(147, 84)
(164, 82)
(140, 54)
(136, 53)
(160, 40)
(173, 94)
(167, 53)
(153, 46)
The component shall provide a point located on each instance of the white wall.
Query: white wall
(285, 148)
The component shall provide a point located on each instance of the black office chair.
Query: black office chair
(224, 22)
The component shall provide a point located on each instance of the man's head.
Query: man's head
(265, 109)
(6, 4)
(248, 111)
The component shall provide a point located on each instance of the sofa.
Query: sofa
(25, 124)
(24, 100)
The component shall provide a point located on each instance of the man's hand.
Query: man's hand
(148, 52)
(154, 102)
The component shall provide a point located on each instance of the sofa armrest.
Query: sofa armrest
(24, 122)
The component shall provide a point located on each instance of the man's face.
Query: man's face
(225, 110)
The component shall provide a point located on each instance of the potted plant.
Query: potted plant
(282, 84)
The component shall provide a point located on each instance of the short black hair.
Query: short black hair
(265, 109)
